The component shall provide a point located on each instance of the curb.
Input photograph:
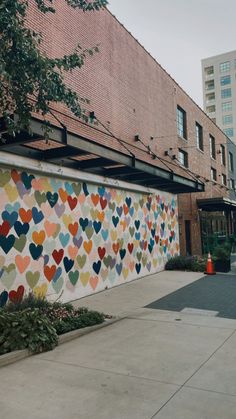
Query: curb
(15, 356)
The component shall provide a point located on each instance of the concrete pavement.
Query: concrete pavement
(152, 364)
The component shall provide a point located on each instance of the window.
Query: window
(223, 179)
(225, 93)
(222, 149)
(227, 119)
(210, 85)
(210, 97)
(232, 184)
(212, 147)
(183, 158)
(213, 174)
(199, 136)
(181, 123)
(231, 162)
(226, 106)
(211, 109)
(225, 66)
(229, 132)
(224, 80)
(209, 70)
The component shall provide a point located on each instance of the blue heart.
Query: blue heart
(46, 259)
(6, 243)
(137, 224)
(128, 201)
(138, 267)
(105, 234)
(52, 198)
(21, 228)
(137, 236)
(3, 298)
(97, 226)
(85, 189)
(37, 215)
(97, 267)
(119, 268)
(101, 191)
(119, 211)
(57, 274)
(11, 218)
(68, 264)
(27, 179)
(131, 211)
(122, 253)
(84, 223)
(64, 239)
(35, 251)
(69, 188)
(115, 220)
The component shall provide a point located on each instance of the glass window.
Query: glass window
(212, 147)
(181, 123)
(223, 179)
(227, 119)
(210, 97)
(229, 132)
(211, 109)
(231, 184)
(231, 162)
(213, 174)
(225, 80)
(199, 136)
(222, 149)
(225, 66)
(210, 85)
(209, 70)
(225, 93)
(226, 106)
(183, 158)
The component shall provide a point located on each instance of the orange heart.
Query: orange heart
(50, 228)
(25, 215)
(22, 263)
(81, 199)
(126, 209)
(88, 246)
(131, 266)
(72, 251)
(63, 195)
(116, 247)
(94, 282)
(73, 228)
(15, 176)
(95, 199)
(39, 238)
(101, 216)
(49, 272)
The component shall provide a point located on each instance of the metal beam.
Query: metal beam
(93, 163)
(61, 153)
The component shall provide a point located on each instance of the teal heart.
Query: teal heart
(73, 277)
(69, 188)
(10, 208)
(64, 239)
(105, 234)
(49, 246)
(97, 240)
(112, 276)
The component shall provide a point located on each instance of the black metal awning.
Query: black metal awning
(74, 151)
(216, 204)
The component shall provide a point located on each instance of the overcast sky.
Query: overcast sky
(179, 33)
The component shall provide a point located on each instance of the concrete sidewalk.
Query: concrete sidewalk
(152, 364)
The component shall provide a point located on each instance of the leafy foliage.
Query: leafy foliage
(222, 252)
(29, 80)
(186, 263)
(77, 322)
(31, 329)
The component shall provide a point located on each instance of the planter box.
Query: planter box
(222, 265)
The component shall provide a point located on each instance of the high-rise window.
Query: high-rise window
(223, 179)
(212, 147)
(224, 80)
(226, 93)
(199, 136)
(209, 70)
(227, 119)
(210, 85)
(213, 174)
(226, 106)
(232, 184)
(229, 132)
(224, 67)
(231, 162)
(222, 149)
(181, 122)
(183, 158)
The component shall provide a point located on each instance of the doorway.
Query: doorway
(188, 237)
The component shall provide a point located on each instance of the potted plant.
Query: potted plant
(221, 256)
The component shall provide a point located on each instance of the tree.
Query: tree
(29, 80)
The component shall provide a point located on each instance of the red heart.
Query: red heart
(58, 255)
(15, 176)
(4, 228)
(49, 272)
(16, 296)
(101, 252)
(72, 202)
(103, 203)
(130, 247)
(157, 239)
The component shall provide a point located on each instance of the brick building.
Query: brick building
(140, 113)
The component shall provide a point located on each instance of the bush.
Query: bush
(222, 252)
(78, 322)
(31, 301)
(186, 263)
(28, 330)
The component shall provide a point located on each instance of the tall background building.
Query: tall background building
(219, 91)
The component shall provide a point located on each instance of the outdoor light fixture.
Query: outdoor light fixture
(137, 137)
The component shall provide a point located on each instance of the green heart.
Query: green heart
(9, 268)
(32, 278)
(8, 279)
(112, 206)
(81, 260)
(131, 230)
(76, 188)
(139, 256)
(20, 243)
(73, 277)
(49, 246)
(89, 232)
(57, 286)
(57, 231)
(93, 213)
(97, 240)
(85, 210)
(144, 260)
(141, 203)
(4, 178)
(40, 197)
(121, 243)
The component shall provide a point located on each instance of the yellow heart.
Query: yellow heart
(113, 235)
(2, 261)
(12, 192)
(40, 291)
(84, 278)
(46, 185)
(118, 199)
(155, 262)
(125, 272)
(67, 219)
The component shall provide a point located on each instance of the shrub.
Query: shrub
(186, 263)
(222, 252)
(31, 301)
(31, 330)
(80, 321)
